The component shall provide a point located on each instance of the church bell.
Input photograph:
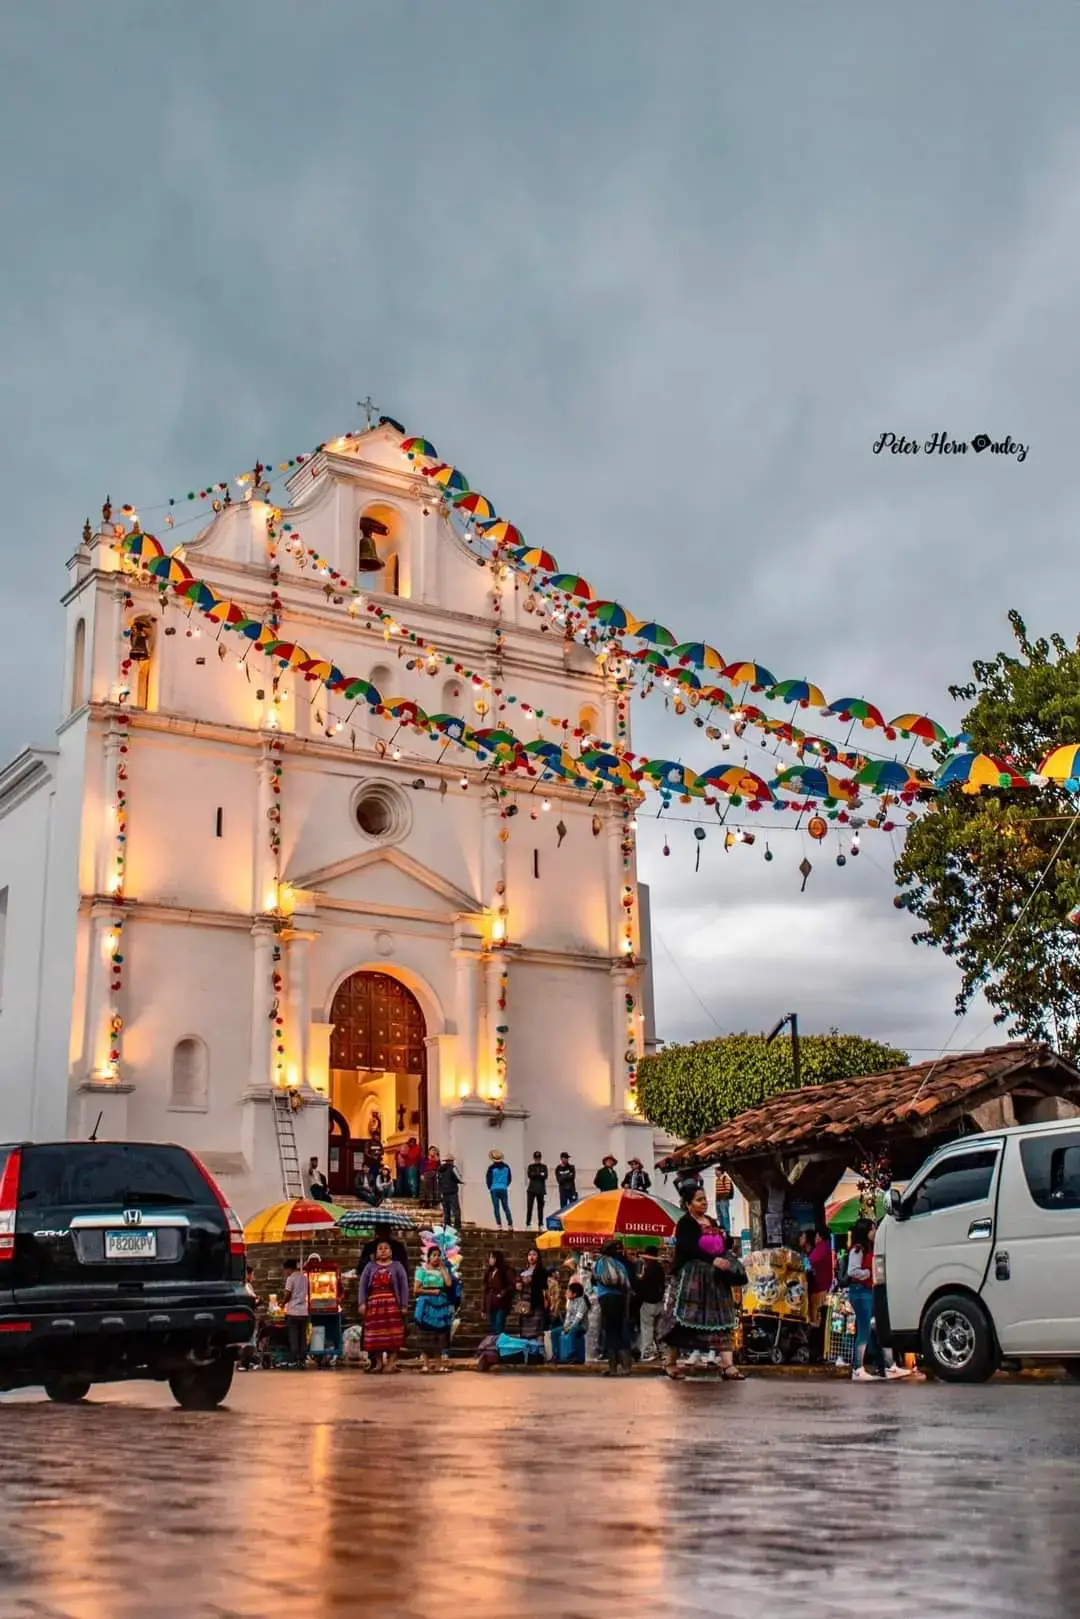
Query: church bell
(368, 559)
(140, 644)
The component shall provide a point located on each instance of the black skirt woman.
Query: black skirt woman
(699, 1312)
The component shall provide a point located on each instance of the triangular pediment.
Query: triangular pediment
(391, 880)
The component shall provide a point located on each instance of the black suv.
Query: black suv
(118, 1259)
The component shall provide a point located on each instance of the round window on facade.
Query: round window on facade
(381, 811)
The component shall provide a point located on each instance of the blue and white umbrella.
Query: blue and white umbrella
(367, 1219)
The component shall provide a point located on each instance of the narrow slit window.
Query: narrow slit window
(219, 822)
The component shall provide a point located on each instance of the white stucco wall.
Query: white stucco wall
(418, 905)
(24, 838)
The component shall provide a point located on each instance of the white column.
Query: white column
(491, 852)
(262, 996)
(118, 648)
(105, 855)
(101, 1003)
(423, 548)
(319, 1056)
(612, 836)
(494, 964)
(267, 804)
(623, 982)
(468, 1020)
(299, 1013)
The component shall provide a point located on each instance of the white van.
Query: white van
(979, 1258)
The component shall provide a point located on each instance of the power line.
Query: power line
(686, 980)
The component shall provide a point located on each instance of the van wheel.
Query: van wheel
(957, 1341)
(68, 1391)
(202, 1388)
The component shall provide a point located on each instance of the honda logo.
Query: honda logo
(133, 1216)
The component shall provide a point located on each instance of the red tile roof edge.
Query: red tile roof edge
(890, 1098)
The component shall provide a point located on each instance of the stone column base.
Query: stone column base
(476, 1128)
(259, 1144)
(630, 1137)
(107, 1098)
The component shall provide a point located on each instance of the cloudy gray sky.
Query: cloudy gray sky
(655, 277)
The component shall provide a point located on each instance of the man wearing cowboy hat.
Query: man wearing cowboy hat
(498, 1180)
(636, 1179)
(605, 1179)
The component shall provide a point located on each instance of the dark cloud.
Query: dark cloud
(655, 276)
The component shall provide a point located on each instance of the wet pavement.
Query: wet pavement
(326, 1494)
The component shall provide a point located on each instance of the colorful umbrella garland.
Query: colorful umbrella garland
(146, 551)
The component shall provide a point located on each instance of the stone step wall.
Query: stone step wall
(476, 1244)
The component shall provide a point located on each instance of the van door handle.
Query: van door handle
(980, 1230)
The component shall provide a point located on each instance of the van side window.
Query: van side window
(965, 1177)
(1052, 1170)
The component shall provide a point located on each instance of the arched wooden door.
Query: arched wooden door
(379, 1027)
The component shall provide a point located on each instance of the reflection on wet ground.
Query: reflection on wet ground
(334, 1494)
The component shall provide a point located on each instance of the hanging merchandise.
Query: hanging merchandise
(817, 827)
(805, 868)
(699, 833)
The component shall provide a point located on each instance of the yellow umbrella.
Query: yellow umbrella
(297, 1217)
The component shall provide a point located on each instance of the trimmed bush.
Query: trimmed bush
(687, 1090)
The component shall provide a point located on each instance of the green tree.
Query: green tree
(994, 875)
(690, 1089)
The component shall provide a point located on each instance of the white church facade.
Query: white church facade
(225, 881)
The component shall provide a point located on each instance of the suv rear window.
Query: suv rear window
(1052, 1169)
(88, 1174)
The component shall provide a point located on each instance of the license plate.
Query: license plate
(131, 1245)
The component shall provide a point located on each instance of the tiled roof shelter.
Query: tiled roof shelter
(808, 1137)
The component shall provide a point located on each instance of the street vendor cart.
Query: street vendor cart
(271, 1333)
(325, 1310)
(775, 1307)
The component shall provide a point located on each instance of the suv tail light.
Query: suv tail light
(9, 1203)
(236, 1230)
(879, 1270)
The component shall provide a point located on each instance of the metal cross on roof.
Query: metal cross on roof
(368, 407)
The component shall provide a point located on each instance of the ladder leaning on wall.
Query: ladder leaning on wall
(292, 1181)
